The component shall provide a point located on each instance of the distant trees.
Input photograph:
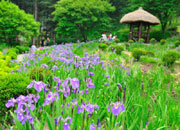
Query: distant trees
(15, 23)
(82, 19)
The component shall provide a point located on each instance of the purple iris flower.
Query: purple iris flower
(65, 125)
(44, 66)
(65, 91)
(74, 83)
(57, 79)
(90, 85)
(91, 74)
(24, 105)
(50, 98)
(37, 85)
(54, 68)
(87, 91)
(65, 82)
(11, 103)
(117, 107)
(94, 127)
(90, 108)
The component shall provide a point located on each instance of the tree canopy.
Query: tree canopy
(82, 19)
(163, 9)
(15, 23)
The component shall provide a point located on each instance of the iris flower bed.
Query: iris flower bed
(87, 93)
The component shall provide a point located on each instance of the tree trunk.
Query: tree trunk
(35, 16)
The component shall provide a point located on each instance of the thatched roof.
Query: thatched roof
(140, 15)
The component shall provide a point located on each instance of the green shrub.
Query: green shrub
(40, 74)
(103, 46)
(12, 53)
(47, 60)
(153, 40)
(123, 34)
(149, 53)
(177, 43)
(146, 59)
(130, 41)
(119, 49)
(127, 45)
(163, 41)
(117, 40)
(22, 49)
(11, 85)
(138, 52)
(170, 57)
(51, 42)
(158, 35)
(141, 40)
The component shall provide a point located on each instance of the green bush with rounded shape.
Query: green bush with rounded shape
(146, 59)
(22, 49)
(127, 45)
(119, 49)
(153, 40)
(40, 74)
(12, 86)
(177, 43)
(141, 40)
(149, 53)
(170, 57)
(12, 54)
(117, 40)
(138, 52)
(130, 41)
(103, 46)
(163, 41)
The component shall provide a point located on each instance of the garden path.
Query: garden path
(21, 57)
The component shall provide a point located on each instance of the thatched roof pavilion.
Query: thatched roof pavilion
(140, 18)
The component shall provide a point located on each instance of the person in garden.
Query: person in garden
(47, 41)
(42, 41)
(110, 37)
(33, 47)
(104, 37)
(114, 38)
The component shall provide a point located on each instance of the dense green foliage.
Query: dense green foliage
(170, 57)
(15, 24)
(103, 46)
(11, 85)
(79, 19)
(138, 52)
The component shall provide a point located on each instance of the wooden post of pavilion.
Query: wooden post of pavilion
(148, 31)
(131, 32)
(140, 31)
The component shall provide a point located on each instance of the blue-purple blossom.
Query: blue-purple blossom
(94, 127)
(38, 86)
(65, 125)
(44, 66)
(50, 98)
(54, 68)
(24, 105)
(117, 107)
(74, 83)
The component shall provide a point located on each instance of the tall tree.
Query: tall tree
(82, 19)
(15, 22)
(163, 9)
